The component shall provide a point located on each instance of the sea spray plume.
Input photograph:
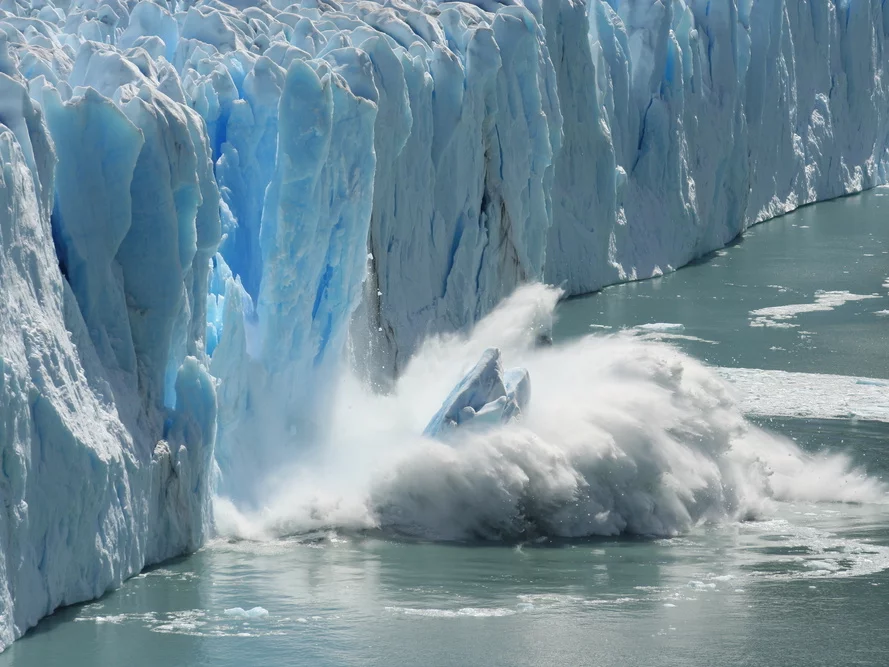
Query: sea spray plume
(329, 485)
(621, 436)
(777, 466)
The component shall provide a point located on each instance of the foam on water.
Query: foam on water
(621, 436)
(661, 326)
(807, 551)
(197, 622)
(240, 612)
(463, 612)
(665, 337)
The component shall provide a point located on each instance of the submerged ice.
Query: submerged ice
(204, 205)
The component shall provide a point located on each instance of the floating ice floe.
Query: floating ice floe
(254, 612)
(778, 316)
(809, 395)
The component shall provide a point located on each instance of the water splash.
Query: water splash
(622, 436)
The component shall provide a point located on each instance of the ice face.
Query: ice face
(352, 171)
(99, 477)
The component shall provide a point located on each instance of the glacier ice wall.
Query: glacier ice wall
(713, 116)
(276, 369)
(204, 201)
(108, 218)
(673, 126)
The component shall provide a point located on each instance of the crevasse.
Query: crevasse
(203, 203)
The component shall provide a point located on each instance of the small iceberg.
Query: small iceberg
(255, 612)
(486, 396)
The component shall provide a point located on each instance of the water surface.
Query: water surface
(837, 249)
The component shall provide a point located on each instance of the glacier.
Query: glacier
(207, 205)
(103, 471)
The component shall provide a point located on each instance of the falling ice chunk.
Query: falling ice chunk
(485, 396)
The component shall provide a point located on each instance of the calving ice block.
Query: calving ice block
(485, 396)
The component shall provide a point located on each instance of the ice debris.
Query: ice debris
(485, 396)
(240, 612)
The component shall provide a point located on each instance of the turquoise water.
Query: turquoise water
(723, 596)
(835, 247)
(809, 585)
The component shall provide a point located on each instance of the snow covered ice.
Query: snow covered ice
(204, 204)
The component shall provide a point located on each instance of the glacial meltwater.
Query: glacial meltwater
(794, 318)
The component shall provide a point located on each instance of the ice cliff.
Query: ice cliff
(107, 416)
(204, 202)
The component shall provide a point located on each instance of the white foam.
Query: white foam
(550, 599)
(116, 620)
(86, 615)
(667, 337)
(463, 612)
(660, 326)
(609, 601)
(825, 565)
(232, 622)
(772, 324)
(816, 552)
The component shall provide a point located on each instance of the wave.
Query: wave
(622, 436)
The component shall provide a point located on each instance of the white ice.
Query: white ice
(781, 316)
(809, 395)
